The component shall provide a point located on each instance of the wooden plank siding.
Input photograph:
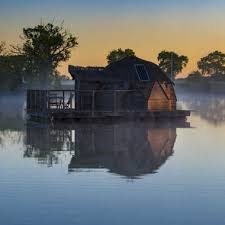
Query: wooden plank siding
(162, 98)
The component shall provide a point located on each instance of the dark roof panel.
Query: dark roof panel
(124, 69)
(85, 73)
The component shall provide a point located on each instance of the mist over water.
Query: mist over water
(12, 106)
(209, 107)
(114, 173)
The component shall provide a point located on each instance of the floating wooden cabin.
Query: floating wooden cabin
(140, 85)
(131, 87)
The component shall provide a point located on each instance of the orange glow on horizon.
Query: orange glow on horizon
(189, 31)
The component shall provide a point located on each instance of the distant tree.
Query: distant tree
(172, 63)
(119, 54)
(195, 75)
(214, 63)
(64, 77)
(45, 47)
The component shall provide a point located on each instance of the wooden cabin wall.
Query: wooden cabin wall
(104, 101)
(88, 85)
(162, 98)
(173, 98)
(158, 105)
(102, 85)
(169, 89)
(118, 101)
(137, 101)
(127, 101)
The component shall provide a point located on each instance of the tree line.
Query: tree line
(173, 64)
(46, 45)
(36, 60)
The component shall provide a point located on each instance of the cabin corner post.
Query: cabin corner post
(77, 95)
(75, 91)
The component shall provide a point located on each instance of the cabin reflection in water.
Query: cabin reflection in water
(46, 144)
(127, 149)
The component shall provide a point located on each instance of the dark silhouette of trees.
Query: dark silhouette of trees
(45, 47)
(12, 71)
(172, 63)
(119, 54)
(213, 63)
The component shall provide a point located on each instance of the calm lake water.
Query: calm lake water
(120, 173)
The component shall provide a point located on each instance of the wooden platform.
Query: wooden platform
(56, 114)
(61, 105)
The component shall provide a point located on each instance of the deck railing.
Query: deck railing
(45, 100)
(112, 101)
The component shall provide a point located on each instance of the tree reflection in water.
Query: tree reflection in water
(46, 143)
(130, 149)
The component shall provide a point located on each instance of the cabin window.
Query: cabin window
(142, 72)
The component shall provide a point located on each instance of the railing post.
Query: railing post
(63, 100)
(115, 102)
(28, 99)
(93, 104)
(74, 99)
(35, 101)
(47, 94)
(39, 101)
(45, 103)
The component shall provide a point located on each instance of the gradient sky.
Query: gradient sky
(193, 27)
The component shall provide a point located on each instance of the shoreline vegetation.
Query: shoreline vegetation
(212, 84)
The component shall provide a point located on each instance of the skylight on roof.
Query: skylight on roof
(142, 72)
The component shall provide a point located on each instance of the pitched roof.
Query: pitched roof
(121, 70)
(90, 73)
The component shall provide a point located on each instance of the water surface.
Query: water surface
(120, 173)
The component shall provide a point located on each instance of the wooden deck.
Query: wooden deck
(61, 105)
(76, 115)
